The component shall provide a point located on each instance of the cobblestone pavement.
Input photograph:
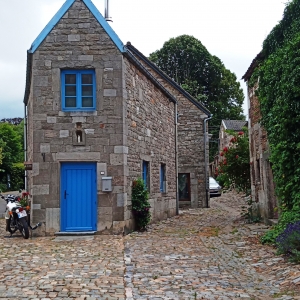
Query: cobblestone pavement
(200, 254)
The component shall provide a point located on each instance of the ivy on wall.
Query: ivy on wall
(278, 74)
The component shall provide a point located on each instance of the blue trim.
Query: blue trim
(105, 25)
(50, 25)
(78, 197)
(145, 173)
(78, 95)
(62, 12)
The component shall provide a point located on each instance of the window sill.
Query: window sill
(63, 113)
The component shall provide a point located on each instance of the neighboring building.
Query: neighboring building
(99, 115)
(225, 137)
(224, 140)
(262, 184)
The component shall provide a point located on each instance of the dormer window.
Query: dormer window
(78, 89)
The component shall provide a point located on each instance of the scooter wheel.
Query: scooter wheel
(24, 228)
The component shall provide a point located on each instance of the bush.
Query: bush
(140, 204)
(288, 242)
(223, 180)
(287, 217)
(234, 168)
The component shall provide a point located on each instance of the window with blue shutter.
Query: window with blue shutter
(78, 90)
(145, 174)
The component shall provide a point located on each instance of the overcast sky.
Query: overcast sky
(233, 30)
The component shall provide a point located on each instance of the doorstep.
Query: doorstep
(75, 233)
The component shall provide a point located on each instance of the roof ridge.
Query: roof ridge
(169, 79)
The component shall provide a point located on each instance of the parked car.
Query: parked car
(215, 190)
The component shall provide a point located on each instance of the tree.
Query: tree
(0, 157)
(204, 76)
(13, 121)
(12, 153)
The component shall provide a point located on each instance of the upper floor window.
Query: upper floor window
(78, 90)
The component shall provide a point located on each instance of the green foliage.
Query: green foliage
(250, 213)
(24, 200)
(223, 180)
(11, 143)
(235, 167)
(278, 75)
(205, 77)
(140, 204)
(17, 176)
(286, 217)
(0, 157)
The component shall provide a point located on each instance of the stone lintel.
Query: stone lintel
(76, 156)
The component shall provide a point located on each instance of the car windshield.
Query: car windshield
(212, 180)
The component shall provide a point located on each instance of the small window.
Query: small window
(162, 178)
(145, 174)
(78, 90)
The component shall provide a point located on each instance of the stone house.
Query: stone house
(99, 115)
(262, 184)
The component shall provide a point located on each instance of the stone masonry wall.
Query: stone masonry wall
(191, 149)
(151, 137)
(262, 185)
(77, 42)
(190, 142)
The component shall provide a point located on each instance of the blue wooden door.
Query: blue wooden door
(78, 197)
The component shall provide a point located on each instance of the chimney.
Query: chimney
(107, 12)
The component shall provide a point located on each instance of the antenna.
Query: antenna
(107, 16)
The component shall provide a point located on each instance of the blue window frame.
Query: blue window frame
(162, 178)
(78, 90)
(145, 174)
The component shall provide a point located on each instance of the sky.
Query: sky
(233, 30)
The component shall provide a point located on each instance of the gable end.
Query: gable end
(62, 11)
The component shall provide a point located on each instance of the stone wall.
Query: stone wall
(262, 185)
(133, 121)
(190, 143)
(191, 149)
(151, 137)
(77, 42)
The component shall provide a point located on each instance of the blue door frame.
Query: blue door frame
(78, 197)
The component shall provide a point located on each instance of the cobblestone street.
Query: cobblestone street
(200, 254)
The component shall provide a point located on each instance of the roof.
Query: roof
(129, 51)
(175, 85)
(62, 12)
(235, 125)
(252, 67)
(41, 37)
(138, 64)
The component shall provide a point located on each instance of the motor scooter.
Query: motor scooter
(17, 217)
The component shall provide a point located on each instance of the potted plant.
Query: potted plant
(140, 204)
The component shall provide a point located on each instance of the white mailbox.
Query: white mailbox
(106, 184)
